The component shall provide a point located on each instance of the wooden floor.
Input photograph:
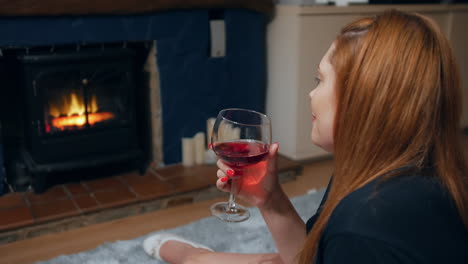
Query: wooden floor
(315, 175)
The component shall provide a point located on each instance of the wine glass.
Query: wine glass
(241, 138)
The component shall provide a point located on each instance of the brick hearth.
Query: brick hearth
(68, 206)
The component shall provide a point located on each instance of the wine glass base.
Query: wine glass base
(222, 211)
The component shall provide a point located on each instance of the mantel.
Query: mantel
(110, 7)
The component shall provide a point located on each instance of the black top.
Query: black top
(408, 219)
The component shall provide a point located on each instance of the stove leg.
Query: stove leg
(39, 182)
(142, 165)
(22, 178)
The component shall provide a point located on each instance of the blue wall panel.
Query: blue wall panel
(194, 86)
(39, 31)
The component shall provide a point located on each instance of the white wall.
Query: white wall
(297, 39)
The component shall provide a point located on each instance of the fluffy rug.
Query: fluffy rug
(251, 236)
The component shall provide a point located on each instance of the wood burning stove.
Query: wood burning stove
(80, 111)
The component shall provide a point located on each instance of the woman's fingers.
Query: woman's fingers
(220, 174)
(223, 181)
(274, 149)
(223, 184)
(222, 166)
(224, 173)
(273, 157)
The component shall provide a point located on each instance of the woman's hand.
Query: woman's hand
(256, 183)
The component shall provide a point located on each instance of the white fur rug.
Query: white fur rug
(251, 236)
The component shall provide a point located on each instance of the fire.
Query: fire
(80, 120)
(71, 112)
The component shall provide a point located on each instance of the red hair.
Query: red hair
(398, 105)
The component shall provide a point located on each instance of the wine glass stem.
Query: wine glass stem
(232, 195)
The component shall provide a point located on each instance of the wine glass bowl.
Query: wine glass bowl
(241, 138)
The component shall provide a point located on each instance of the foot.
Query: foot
(152, 245)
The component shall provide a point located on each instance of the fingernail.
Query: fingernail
(224, 179)
(230, 172)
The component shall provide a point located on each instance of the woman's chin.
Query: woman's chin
(317, 142)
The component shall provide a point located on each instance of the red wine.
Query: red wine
(241, 153)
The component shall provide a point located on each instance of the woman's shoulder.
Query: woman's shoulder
(410, 192)
(410, 212)
(402, 198)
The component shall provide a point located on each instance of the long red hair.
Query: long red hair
(398, 105)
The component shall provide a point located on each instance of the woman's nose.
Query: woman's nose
(311, 94)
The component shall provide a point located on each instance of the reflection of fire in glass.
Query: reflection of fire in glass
(70, 113)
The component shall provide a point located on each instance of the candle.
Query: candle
(199, 142)
(231, 133)
(188, 152)
(210, 157)
(236, 131)
(209, 129)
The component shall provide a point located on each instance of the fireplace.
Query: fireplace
(184, 86)
(80, 108)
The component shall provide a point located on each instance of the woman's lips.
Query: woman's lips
(313, 117)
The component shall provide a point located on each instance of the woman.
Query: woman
(387, 105)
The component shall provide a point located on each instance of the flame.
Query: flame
(71, 112)
(80, 120)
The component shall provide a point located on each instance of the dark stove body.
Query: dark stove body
(79, 111)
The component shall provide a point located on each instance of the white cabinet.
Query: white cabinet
(298, 37)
